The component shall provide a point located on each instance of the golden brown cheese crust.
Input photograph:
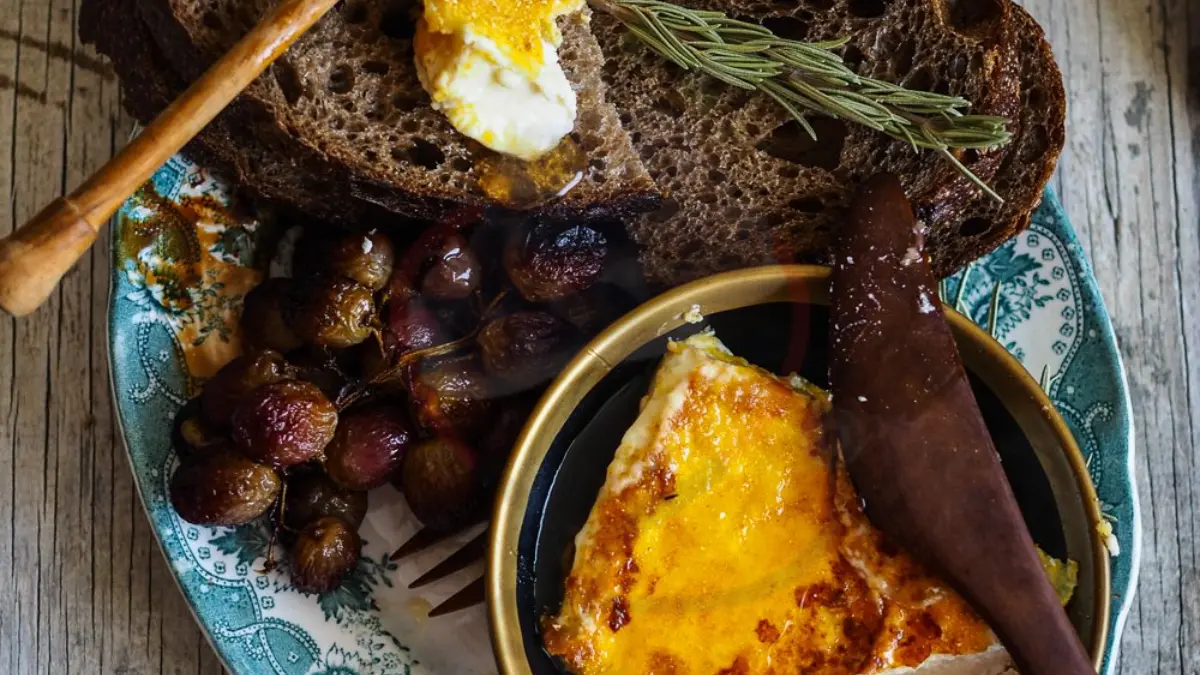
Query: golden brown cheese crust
(721, 543)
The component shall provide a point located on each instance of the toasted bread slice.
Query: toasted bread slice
(347, 94)
(746, 186)
(1029, 163)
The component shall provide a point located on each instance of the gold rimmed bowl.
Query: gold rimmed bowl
(777, 318)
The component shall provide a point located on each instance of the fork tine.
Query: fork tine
(470, 552)
(427, 538)
(470, 596)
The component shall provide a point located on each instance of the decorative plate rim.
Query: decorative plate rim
(1090, 296)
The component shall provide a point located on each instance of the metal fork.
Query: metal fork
(472, 594)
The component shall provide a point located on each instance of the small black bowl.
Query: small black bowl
(562, 458)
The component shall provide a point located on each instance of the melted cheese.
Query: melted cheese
(722, 543)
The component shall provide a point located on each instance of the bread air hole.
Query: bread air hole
(870, 9)
(398, 22)
(341, 79)
(792, 143)
(212, 21)
(787, 27)
(973, 227)
(288, 79)
(426, 154)
(973, 16)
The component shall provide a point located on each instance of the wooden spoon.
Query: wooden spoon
(35, 257)
(914, 439)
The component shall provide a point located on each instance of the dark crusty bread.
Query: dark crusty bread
(347, 94)
(1029, 162)
(744, 183)
(258, 162)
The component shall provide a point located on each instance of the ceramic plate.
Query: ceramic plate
(182, 263)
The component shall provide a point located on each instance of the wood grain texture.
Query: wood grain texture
(83, 586)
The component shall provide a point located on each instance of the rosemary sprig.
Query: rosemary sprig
(808, 78)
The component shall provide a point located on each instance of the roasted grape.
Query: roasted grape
(284, 424)
(412, 325)
(263, 323)
(497, 444)
(594, 309)
(453, 397)
(225, 390)
(368, 446)
(455, 272)
(312, 495)
(440, 482)
(547, 262)
(364, 258)
(323, 367)
(526, 348)
(222, 488)
(333, 312)
(326, 550)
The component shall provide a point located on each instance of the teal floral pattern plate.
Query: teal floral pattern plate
(182, 262)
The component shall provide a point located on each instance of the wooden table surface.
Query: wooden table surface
(83, 586)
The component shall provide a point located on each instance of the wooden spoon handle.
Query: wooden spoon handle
(35, 257)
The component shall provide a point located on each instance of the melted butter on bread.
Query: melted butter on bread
(721, 543)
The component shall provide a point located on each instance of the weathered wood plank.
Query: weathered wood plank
(1128, 179)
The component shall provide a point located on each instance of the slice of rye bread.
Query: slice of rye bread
(256, 161)
(746, 186)
(347, 93)
(1032, 155)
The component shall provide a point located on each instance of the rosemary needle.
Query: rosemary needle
(809, 78)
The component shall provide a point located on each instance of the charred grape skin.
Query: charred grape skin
(333, 312)
(312, 495)
(223, 488)
(441, 484)
(284, 424)
(326, 550)
(548, 262)
(368, 446)
(526, 348)
(263, 322)
(453, 397)
(365, 258)
(455, 272)
(225, 391)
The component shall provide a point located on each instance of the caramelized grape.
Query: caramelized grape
(222, 488)
(312, 495)
(548, 262)
(323, 554)
(452, 397)
(225, 390)
(412, 325)
(284, 424)
(364, 258)
(263, 324)
(497, 444)
(526, 348)
(333, 312)
(440, 483)
(594, 309)
(368, 447)
(455, 272)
